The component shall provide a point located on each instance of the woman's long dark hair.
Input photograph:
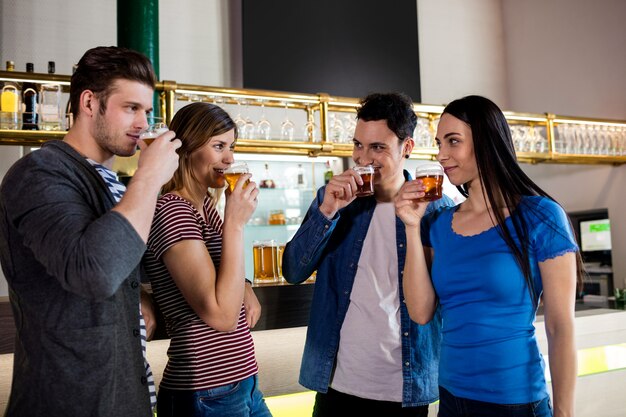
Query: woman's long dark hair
(503, 180)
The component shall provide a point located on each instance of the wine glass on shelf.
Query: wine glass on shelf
(422, 135)
(263, 126)
(349, 125)
(247, 132)
(336, 129)
(287, 127)
(310, 128)
(217, 100)
(240, 122)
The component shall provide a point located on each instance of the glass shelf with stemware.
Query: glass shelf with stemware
(283, 123)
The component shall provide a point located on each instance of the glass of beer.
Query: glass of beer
(265, 254)
(431, 174)
(152, 132)
(279, 256)
(367, 175)
(233, 172)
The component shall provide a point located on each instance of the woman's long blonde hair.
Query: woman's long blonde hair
(195, 124)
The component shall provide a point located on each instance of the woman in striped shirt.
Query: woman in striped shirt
(196, 267)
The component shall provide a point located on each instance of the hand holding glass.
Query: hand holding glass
(152, 132)
(431, 175)
(233, 172)
(367, 174)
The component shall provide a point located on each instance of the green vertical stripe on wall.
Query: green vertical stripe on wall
(138, 29)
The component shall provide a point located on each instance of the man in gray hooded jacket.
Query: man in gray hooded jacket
(71, 242)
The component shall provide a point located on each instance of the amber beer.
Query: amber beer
(152, 132)
(233, 172)
(279, 256)
(431, 175)
(232, 178)
(148, 140)
(367, 175)
(433, 187)
(265, 261)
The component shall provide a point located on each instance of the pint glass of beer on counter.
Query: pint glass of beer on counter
(233, 172)
(367, 175)
(152, 132)
(431, 174)
(265, 254)
(279, 256)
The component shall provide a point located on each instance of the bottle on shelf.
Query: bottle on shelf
(69, 117)
(50, 103)
(30, 94)
(301, 182)
(328, 173)
(267, 181)
(10, 102)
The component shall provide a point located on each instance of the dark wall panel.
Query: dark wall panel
(341, 47)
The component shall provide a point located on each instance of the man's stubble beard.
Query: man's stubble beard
(110, 140)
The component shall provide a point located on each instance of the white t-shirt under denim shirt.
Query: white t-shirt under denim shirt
(369, 359)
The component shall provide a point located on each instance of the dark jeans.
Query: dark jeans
(338, 404)
(451, 406)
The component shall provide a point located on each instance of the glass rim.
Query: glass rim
(237, 167)
(363, 168)
(431, 166)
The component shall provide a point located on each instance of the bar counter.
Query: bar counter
(600, 340)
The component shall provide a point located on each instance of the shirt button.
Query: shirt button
(406, 364)
(401, 245)
(345, 292)
(136, 332)
(134, 284)
(401, 272)
(406, 333)
(326, 226)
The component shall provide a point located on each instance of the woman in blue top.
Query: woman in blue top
(491, 260)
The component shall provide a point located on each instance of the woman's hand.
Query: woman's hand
(241, 202)
(251, 306)
(408, 208)
(148, 313)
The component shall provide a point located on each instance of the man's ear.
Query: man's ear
(88, 103)
(407, 147)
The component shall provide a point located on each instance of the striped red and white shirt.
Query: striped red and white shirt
(199, 356)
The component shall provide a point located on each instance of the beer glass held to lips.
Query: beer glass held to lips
(367, 175)
(431, 175)
(233, 172)
(152, 132)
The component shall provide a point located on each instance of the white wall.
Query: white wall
(461, 50)
(195, 42)
(39, 31)
(567, 56)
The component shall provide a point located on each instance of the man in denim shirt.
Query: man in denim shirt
(362, 350)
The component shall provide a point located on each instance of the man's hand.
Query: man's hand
(340, 191)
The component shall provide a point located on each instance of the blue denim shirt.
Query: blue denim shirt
(333, 248)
